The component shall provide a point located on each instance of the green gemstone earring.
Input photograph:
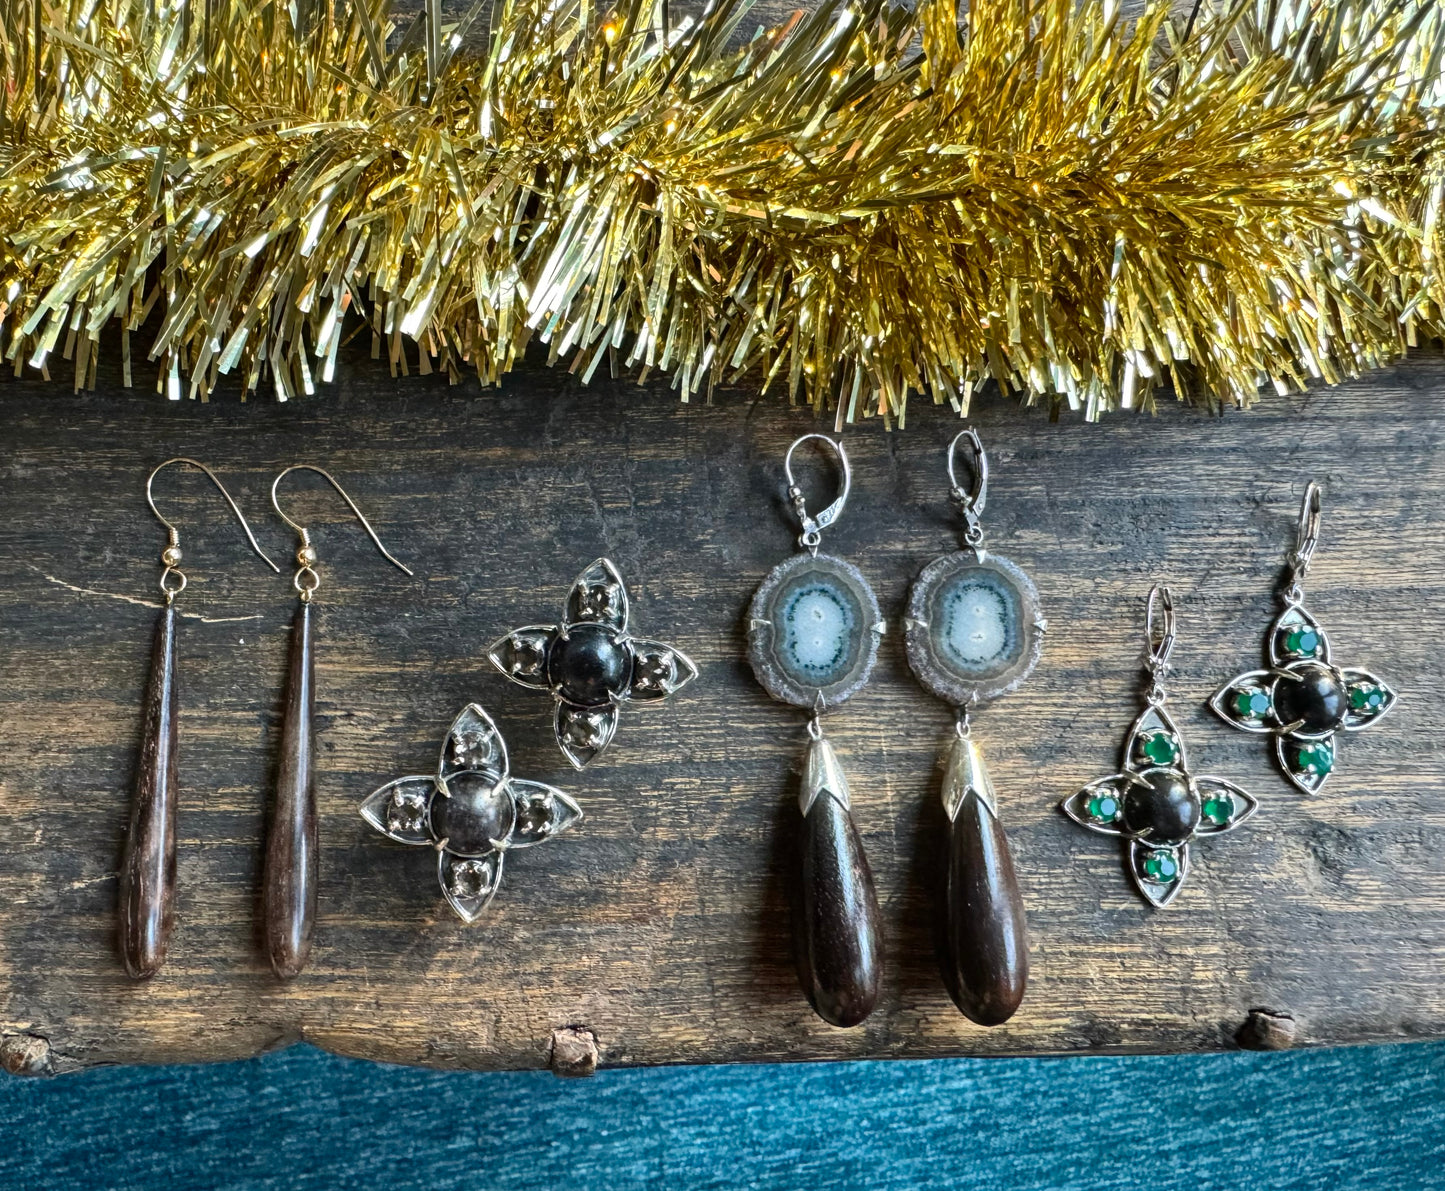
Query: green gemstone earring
(1156, 805)
(1303, 698)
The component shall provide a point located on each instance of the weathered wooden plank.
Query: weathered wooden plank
(660, 922)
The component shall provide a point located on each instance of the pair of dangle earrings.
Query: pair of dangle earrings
(148, 863)
(973, 633)
(472, 811)
(1302, 700)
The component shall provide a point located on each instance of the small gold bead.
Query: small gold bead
(306, 556)
(171, 555)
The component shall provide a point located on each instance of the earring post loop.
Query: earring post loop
(970, 503)
(174, 534)
(1307, 538)
(302, 532)
(1159, 629)
(813, 526)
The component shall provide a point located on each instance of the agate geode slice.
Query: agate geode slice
(973, 628)
(813, 630)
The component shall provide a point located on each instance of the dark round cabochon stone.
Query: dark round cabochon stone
(589, 665)
(1164, 810)
(475, 814)
(1313, 695)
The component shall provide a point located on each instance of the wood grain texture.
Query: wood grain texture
(660, 924)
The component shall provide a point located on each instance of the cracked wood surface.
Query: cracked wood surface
(659, 924)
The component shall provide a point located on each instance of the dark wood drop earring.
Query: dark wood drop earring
(974, 632)
(288, 881)
(148, 865)
(813, 630)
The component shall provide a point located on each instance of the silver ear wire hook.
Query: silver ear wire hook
(1160, 632)
(171, 555)
(970, 503)
(1306, 540)
(306, 580)
(813, 526)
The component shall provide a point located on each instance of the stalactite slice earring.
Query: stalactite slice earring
(974, 631)
(1156, 804)
(813, 636)
(288, 883)
(1303, 699)
(148, 865)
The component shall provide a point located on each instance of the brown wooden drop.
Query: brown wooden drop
(288, 890)
(148, 866)
(837, 939)
(986, 949)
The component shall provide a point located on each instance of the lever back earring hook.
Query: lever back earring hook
(173, 579)
(813, 526)
(970, 503)
(1160, 633)
(306, 580)
(1306, 540)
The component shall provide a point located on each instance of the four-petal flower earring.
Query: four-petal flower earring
(974, 632)
(591, 663)
(473, 812)
(148, 865)
(1303, 699)
(288, 882)
(1156, 804)
(813, 629)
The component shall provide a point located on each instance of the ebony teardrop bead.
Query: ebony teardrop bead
(148, 866)
(838, 938)
(986, 943)
(288, 883)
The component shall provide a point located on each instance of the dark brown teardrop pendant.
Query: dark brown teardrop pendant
(985, 943)
(148, 866)
(837, 938)
(288, 884)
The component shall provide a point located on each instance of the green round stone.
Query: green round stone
(1303, 642)
(1160, 747)
(1219, 809)
(1366, 698)
(1103, 808)
(1161, 867)
(1316, 758)
(1251, 704)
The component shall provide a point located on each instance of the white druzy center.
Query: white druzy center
(977, 630)
(818, 625)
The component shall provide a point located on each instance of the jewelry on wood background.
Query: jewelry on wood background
(974, 631)
(813, 632)
(591, 664)
(1303, 699)
(288, 882)
(1156, 805)
(148, 864)
(473, 812)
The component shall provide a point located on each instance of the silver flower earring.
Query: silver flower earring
(472, 811)
(591, 664)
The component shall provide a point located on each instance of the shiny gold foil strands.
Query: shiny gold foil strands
(861, 204)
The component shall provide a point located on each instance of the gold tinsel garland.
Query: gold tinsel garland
(863, 202)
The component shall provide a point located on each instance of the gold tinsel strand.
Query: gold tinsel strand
(862, 203)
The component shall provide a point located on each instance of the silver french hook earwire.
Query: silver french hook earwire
(1306, 540)
(813, 527)
(306, 580)
(970, 503)
(1160, 633)
(173, 579)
